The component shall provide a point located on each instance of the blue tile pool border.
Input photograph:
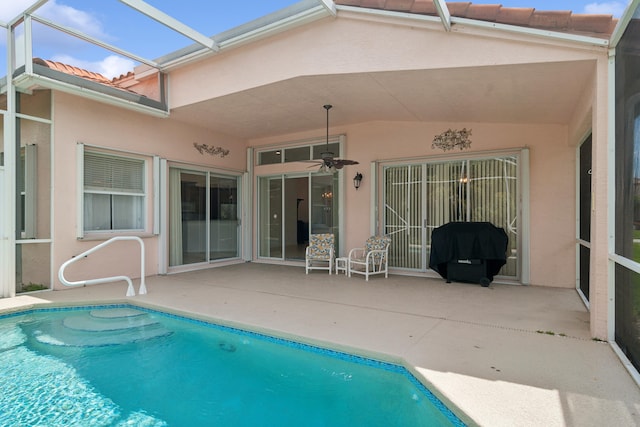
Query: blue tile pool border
(337, 354)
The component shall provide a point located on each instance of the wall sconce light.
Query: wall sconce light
(357, 180)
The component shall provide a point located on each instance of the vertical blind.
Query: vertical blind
(419, 198)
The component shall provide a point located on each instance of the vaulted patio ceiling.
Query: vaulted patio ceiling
(531, 93)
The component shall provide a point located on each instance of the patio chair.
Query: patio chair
(372, 259)
(320, 253)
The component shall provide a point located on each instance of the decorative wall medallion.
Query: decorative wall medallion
(211, 150)
(451, 139)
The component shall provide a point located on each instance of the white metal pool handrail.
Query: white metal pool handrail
(130, 291)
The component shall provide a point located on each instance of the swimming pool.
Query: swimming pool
(123, 365)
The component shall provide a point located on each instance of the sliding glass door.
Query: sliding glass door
(204, 217)
(421, 197)
(292, 207)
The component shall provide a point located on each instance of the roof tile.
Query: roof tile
(424, 7)
(483, 12)
(458, 8)
(349, 2)
(515, 15)
(559, 20)
(74, 71)
(85, 74)
(565, 21)
(400, 5)
(374, 4)
(593, 23)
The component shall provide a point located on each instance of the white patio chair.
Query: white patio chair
(320, 253)
(372, 259)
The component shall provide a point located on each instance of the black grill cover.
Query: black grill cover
(468, 241)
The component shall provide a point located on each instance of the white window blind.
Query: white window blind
(114, 193)
(113, 174)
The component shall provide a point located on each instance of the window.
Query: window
(298, 153)
(114, 193)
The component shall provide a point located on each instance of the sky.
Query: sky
(116, 24)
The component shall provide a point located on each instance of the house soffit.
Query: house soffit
(529, 93)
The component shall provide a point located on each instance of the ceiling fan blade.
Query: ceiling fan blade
(345, 162)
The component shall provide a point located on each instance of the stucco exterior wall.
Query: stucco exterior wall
(551, 186)
(81, 120)
(349, 45)
(344, 46)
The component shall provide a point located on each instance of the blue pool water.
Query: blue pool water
(129, 366)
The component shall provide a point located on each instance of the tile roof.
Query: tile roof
(85, 74)
(552, 20)
(74, 71)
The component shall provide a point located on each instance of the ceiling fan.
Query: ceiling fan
(327, 161)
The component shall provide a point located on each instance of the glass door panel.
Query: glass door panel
(296, 216)
(445, 198)
(188, 225)
(224, 227)
(324, 206)
(584, 207)
(493, 197)
(292, 207)
(403, 215)
(270, 217)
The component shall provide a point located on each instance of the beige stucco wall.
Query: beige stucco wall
(552, 180)
(350, 45)
(95, 124)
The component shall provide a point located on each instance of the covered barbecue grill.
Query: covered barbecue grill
(470, 252)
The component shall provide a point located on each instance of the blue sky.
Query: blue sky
(118, 25)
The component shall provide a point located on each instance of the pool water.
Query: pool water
(130, 366)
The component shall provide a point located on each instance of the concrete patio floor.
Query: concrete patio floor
(503, 355)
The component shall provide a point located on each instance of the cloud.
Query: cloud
(61, 14)
(615, 8)
(73, 18)
(110, 67)
(11, 9)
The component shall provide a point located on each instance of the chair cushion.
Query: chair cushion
(320, 246)
(377, 243)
